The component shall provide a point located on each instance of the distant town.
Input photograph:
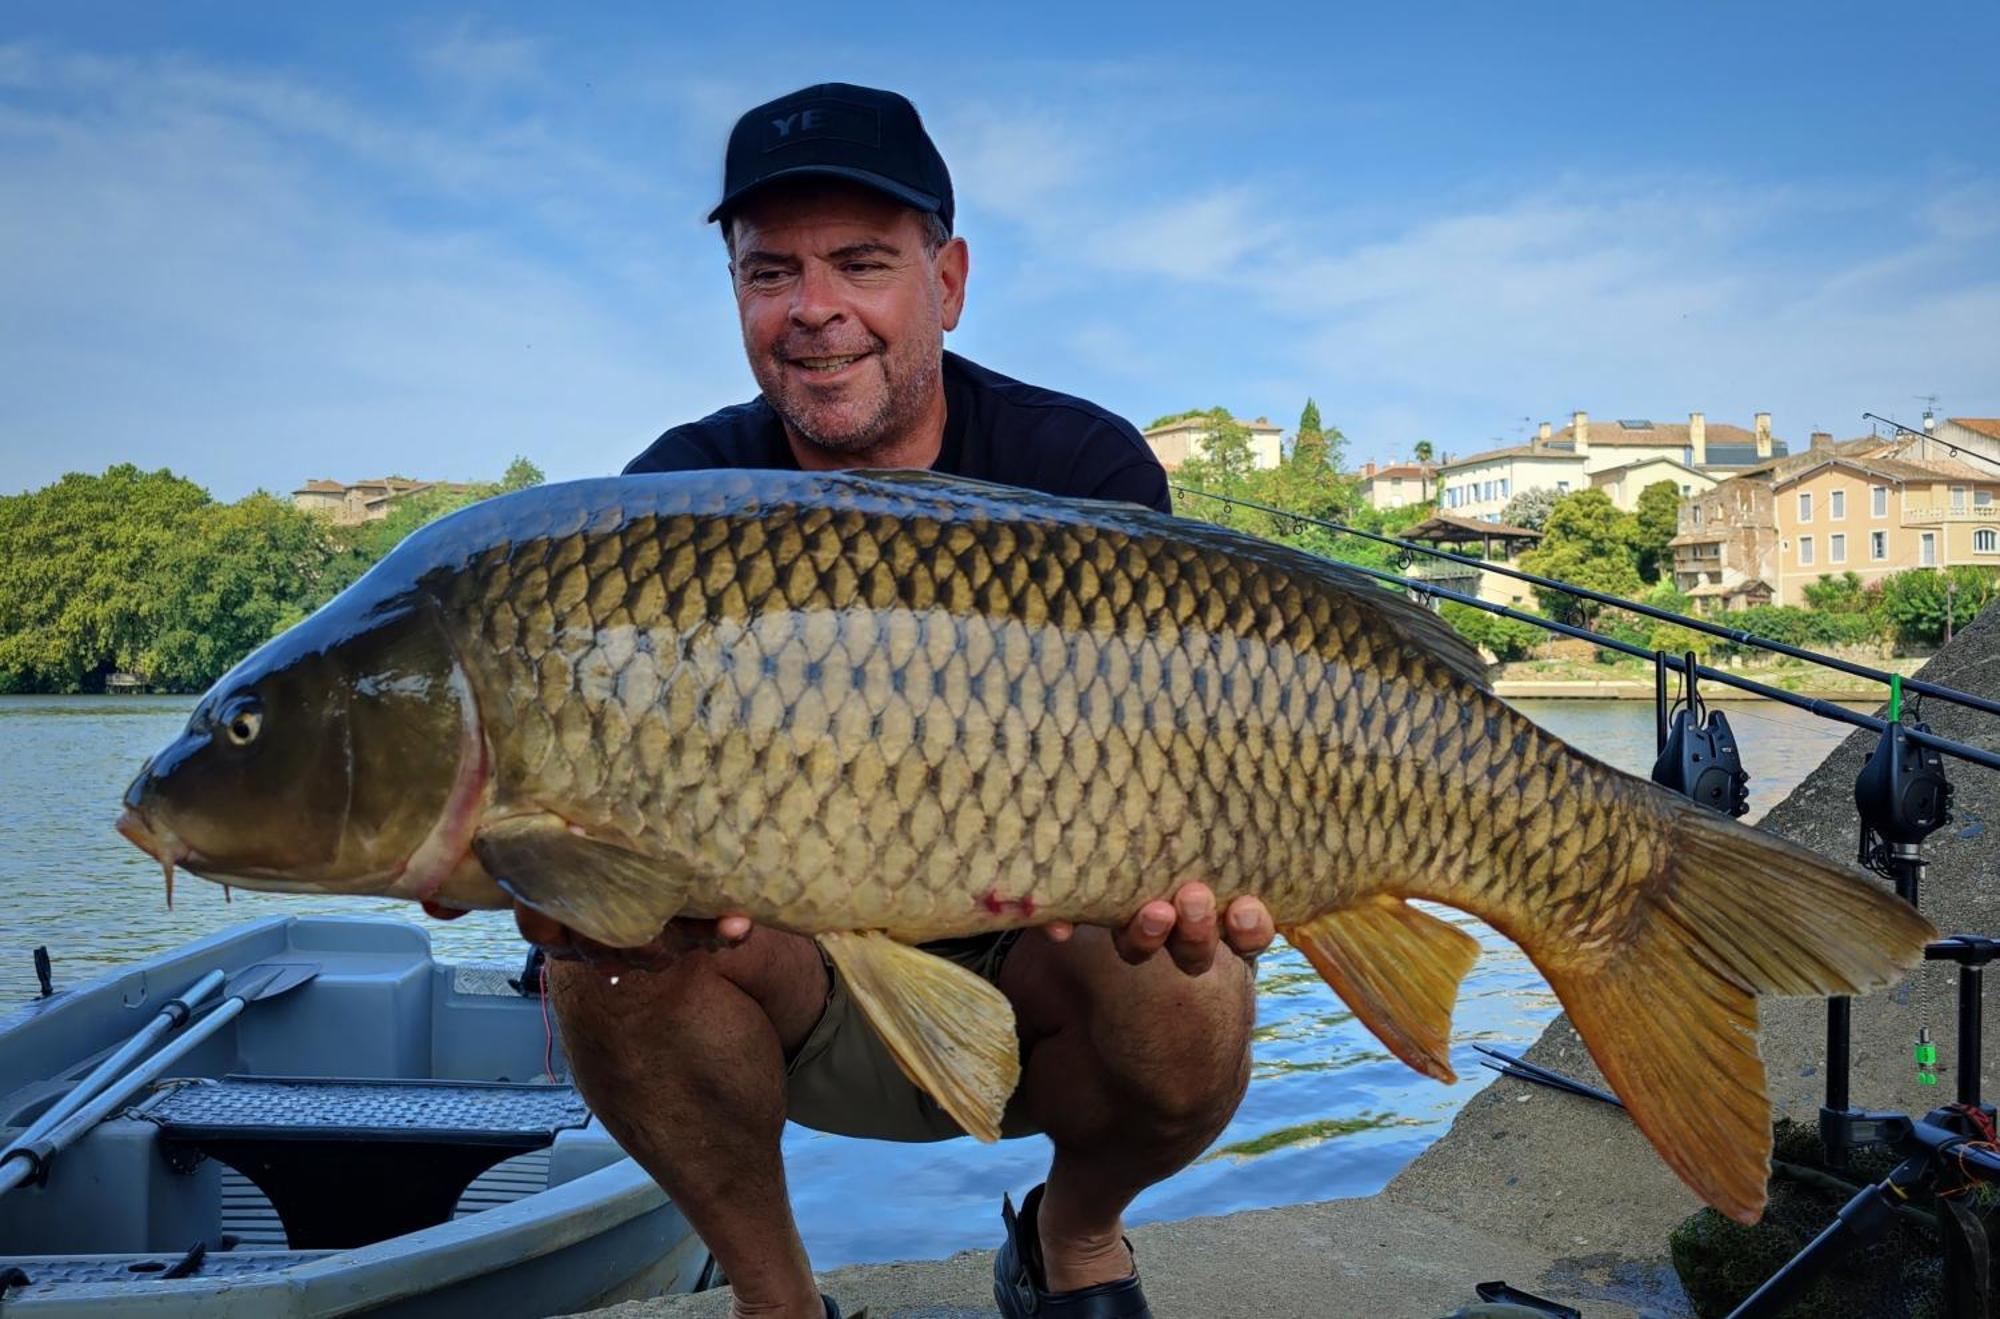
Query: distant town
(1757, 522)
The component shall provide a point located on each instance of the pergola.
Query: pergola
(1443, 529)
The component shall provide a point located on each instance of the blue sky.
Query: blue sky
(257, 244)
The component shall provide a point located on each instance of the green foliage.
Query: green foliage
(1311, 431)
(1217, 413)
(1506, 638)
(1586, 542)
(1812, 628)
(1838, 595)
(1916, 602)
(145, 572)
(520, 475)
(1530, 508)
(1653, 525)
(1423, 451)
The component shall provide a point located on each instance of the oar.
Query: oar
(258, 983)
(173, 1015)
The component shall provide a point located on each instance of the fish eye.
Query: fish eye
(242, 719)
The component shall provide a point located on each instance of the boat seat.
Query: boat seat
(348, 1162)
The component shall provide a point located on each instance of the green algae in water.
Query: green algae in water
(1308, 1133)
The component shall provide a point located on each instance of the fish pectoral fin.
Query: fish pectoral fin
(1398, 968)
(951, 1032)
(601, 890)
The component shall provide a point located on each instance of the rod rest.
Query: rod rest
(349, 1162)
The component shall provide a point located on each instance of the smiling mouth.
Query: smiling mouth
(826, 366)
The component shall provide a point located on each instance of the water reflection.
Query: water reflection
(1329, 1113)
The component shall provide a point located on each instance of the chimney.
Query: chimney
(1544, 435)
(1579, 428)
(1763, 435)
(1367, 470)
(1822, 442)
(1698, 439)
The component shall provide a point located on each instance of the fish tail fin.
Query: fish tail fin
(1670, 1011)
(1398, 968)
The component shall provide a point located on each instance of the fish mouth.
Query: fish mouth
(156, 841)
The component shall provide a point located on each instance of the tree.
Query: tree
(1530, 508)
(1423, 451)
(1655, 523)
(1217, 413)
(1918, 602)
(1586, 542)
(1311, 439)
(520, 475)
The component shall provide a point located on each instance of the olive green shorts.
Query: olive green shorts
(844, 1081)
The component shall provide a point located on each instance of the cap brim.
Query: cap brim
(909, 196)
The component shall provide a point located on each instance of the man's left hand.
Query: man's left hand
(1188, 929)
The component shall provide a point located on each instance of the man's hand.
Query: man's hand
(1186, 927)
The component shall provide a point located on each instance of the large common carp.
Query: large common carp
(880, 709)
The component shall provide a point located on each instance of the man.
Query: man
(837, 211)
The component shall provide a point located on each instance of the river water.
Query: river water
(1330, 1112)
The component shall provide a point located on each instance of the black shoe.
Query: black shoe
(833, 1311)
(1020, 1287)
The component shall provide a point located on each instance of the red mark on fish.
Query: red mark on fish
(999, 905)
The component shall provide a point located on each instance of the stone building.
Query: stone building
(1397, 485)
(1178, 441)
(1480, 485)
(363, 501)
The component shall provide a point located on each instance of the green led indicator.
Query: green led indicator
(1926, 1055)
(1895, 697)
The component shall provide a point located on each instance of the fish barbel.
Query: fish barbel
(882, 708)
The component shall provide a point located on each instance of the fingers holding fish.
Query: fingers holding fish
(1186, 928)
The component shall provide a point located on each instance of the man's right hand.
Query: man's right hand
(678, 939)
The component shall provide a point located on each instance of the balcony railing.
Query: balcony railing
(1952, 513)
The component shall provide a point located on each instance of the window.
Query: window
(1986, 541)
(1836, 549)
(1505, 485)
(1686, 490)
(1878, 501)
(1958, 499)
(1697, 515)
(1562, 487)
(1836, 505)
(1927, 549)
(1878, 545)
(1982, 499)
(1805, 549)
(1805, 505)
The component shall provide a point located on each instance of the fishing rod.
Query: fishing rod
(1927, 435)
(1812, 705)
(1735, 635)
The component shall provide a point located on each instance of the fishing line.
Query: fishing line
(1734, 635)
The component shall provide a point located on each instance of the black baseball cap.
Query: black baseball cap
(838, 130)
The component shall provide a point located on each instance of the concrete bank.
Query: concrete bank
(1557, 1195)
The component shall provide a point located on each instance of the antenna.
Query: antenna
(1930, 402)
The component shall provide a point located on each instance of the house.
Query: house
(1397, 485)
(364, 501)
(1625, 483)
(1479, 486)
(1726, 546)
(1459, 535)
(1965, 438)
(1176, 442)
(1882, 513)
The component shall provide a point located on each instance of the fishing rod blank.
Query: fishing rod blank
(1735, 635)
(1812, 705)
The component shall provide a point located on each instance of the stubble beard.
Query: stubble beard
(909, 378)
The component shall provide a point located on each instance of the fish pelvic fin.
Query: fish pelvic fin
(1670, 1010)
(951, 1032)
(602, 890)
(1398, 968)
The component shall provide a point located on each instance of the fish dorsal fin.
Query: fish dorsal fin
(599, 889)
(1398, 968)
(951, 1032)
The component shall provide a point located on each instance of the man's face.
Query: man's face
(844, 311)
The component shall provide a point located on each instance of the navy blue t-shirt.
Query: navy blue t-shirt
(995, 429)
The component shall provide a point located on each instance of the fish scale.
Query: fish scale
(878, 709)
